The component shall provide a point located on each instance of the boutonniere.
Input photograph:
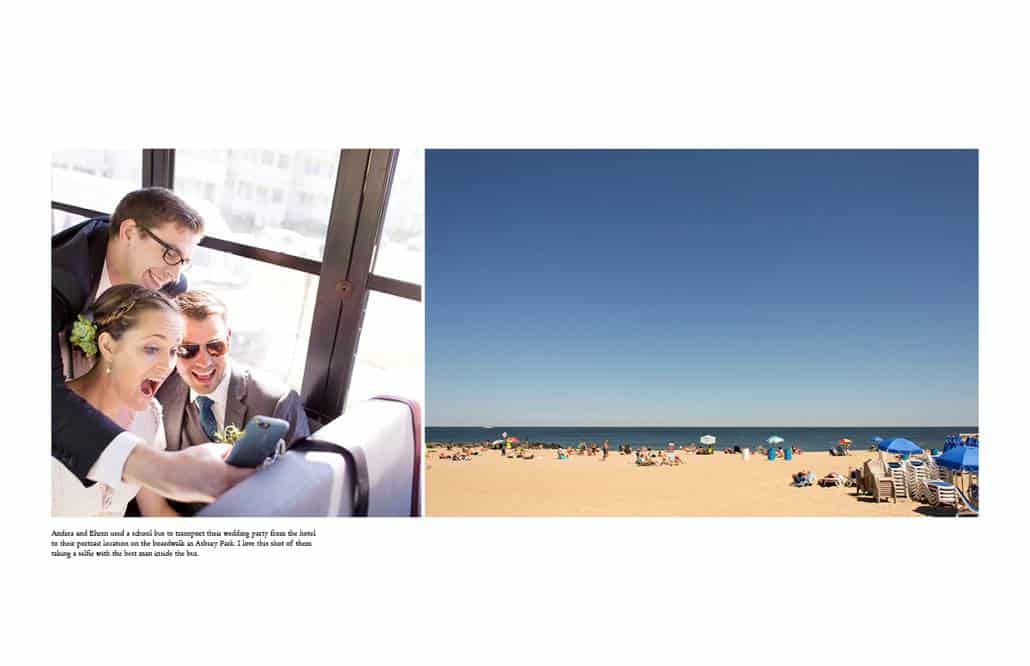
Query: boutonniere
(84, 336)
(230, 434)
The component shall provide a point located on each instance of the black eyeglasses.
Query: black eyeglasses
(171, 256)
(214, 348)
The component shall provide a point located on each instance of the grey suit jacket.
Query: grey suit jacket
(249, 395)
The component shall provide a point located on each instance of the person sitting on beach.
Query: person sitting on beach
(562, 455)
(445, 454)
(796, 450)
(831, 479)
(799, 479)
(526, 455)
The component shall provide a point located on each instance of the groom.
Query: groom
(148, 240)
(209, 392)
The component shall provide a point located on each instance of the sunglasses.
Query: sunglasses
(214, 348)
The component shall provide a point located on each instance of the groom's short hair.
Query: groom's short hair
(200, 305)
(153, 206)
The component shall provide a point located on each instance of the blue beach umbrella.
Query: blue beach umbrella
(876, 439)
(961, 459)
(899, 445)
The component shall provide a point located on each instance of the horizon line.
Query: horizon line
(906, 425)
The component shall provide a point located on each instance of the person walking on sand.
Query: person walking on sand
(605, 447)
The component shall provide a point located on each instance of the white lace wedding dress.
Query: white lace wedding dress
(70, 498)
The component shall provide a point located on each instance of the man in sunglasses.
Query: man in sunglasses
(209, 392)
(149, 241)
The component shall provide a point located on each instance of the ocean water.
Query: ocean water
(807, 439)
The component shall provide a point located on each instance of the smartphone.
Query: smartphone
(259, 441)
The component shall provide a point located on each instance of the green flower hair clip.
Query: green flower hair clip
(84, 335)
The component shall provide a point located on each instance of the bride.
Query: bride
(135, 332)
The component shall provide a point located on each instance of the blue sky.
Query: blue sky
(666, 288)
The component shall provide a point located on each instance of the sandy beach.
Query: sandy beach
(713, 485)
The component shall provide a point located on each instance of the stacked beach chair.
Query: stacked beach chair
(916, 475)
(941, 493)
(935, 471)
(876, 481)
(897, 475)
(884, 488)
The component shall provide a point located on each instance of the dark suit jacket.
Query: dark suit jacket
(249, 395)
(79, 433)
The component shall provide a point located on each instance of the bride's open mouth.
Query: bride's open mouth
(149, 387)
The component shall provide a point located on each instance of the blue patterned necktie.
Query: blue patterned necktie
(207, 416)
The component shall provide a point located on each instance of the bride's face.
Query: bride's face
(144, 356)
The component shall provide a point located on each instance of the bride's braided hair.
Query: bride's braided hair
(118, 309)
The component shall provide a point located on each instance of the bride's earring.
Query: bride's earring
(108, 368)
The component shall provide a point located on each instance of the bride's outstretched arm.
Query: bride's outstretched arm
(196, 474)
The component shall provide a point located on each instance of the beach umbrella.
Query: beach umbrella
(844, 440)
(961, 459)
(876, 439)
(899, 445)
(514, 440)
(496, 442)
(775, 440)
(707, 439)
